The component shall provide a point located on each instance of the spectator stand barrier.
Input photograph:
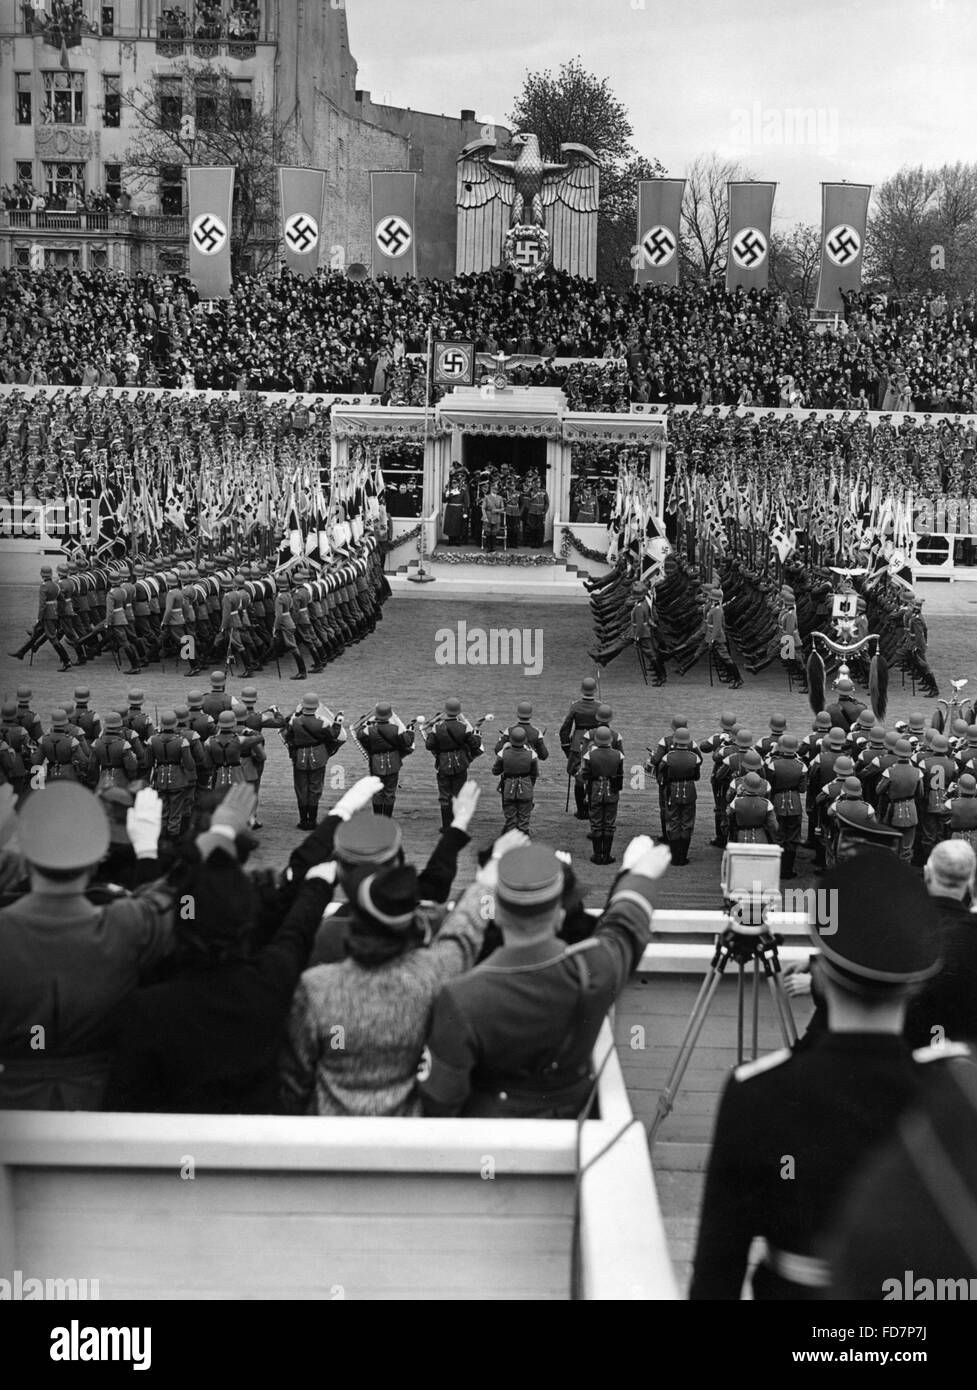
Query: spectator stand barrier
(162, 1206)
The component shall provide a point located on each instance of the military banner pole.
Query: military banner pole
(422, 576)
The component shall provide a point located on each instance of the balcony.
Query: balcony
(225, 47)
(157, 226)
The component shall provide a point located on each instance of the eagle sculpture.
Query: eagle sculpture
(495, 195)
(528, 184)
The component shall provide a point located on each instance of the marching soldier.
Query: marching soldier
(644, 631)
(900, 788)
(601, 779)
(715, 638)
(386, 742)
(534, 736)
(174, 774)
(455, 745)
(751, 816)
(310, 743)
(962, 805)
(718, 746)
(46, 628)
(115, 763)
(788, 784)
(582, 717)
(678, 772)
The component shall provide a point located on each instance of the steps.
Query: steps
(467, 573)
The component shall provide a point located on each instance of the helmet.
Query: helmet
(682, 738)
(752, 784)
(787, 743)
(602, 736)
(517, 736)
(524, 710)
(452, 706)
(588, 686)
(744, 739)
(604, 714)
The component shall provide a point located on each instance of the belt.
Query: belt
(805, 1270)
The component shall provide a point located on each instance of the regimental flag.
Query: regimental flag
(210, 193)
(302, 192)
(655, 257)
(844, 212)
(748, 247)
(393, 200)
(453, 364)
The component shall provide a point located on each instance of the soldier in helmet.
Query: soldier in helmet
(717, 747)
(517, 767)
(386, 741)
(116, 765)
(653, 763)
(645, 633)
(900, 790)
(63, 756)
(227, 749)
(847, 707)
(678, 772)
(23, 755)
(601, 779)
(174, 774)
(939, 771)
(217, 698)
(455, 743)
(311, 742)
(962, 804)
(752, 820)
(788, 784)
(581, 717)
(534, 736)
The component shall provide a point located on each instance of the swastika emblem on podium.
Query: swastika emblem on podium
(526, 253)
(842, 244)
(749, 248)
(208, 234)
(659, 246)
(393, 236)
(453, 364)
(301, 232)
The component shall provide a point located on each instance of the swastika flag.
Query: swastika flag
(655, 254)
(393, 198)
(210, 192)
(844, 210)
(453, 363)
(302, 192)
(748, 246)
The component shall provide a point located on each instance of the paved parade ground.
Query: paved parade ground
(413, 660)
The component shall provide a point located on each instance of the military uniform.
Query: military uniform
(23, 755)
(939, 772)
(821, 1109)
(752, 820)
(644, 632)
(517, 767)
(718, 747)
(63, 756)
(174, 774)
(900, 789)
(601, 778)
(534, 736)
(514, 1036)
(46, 628)
(455, 745)
(962, 805)
(386, 743)
(115, 763)
(582, 717)
(678, 772)
(788, 785)
(310, 743)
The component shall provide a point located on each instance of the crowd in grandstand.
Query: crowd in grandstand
(687, 345)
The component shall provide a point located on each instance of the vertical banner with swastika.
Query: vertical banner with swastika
(655, 257)
(748, 248)
(394, 234)
(453, 363)
(210, 192)
(844, 210)
(302, 192)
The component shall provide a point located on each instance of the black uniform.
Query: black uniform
(310, 743)
(581, 717)
(386, 745)
(678, 773)
(517, 768)
(455, 745)
(601, 778)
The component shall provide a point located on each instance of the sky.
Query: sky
(799, 91)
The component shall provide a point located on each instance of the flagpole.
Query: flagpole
(422, 576)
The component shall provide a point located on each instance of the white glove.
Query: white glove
(564, 856)
(326, 871)
(638, 846)
(463, 806)
(144, 820)
(653, 862)
(360, 794)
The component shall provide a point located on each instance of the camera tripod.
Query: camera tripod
(741, 946)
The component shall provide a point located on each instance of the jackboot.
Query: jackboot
(580, 797)
(598, 855)
(608, 857)
(300, 671)
(446, 817)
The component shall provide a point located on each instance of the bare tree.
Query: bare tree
(902, 229)
(794, 260)
(705, 215)
(193, 115)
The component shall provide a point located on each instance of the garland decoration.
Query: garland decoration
(569, 539)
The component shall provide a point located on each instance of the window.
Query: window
(112, 110)
(171, 190)
(98, 258)
(24, 98)
(22, 257)
(62, 260)
(63, 182)
(241, 102)
(171, 102)
(25, 171)
(113, 181)
(206, 99)
(64, 98)
(108, 21)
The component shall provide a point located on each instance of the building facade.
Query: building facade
(67, 71)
